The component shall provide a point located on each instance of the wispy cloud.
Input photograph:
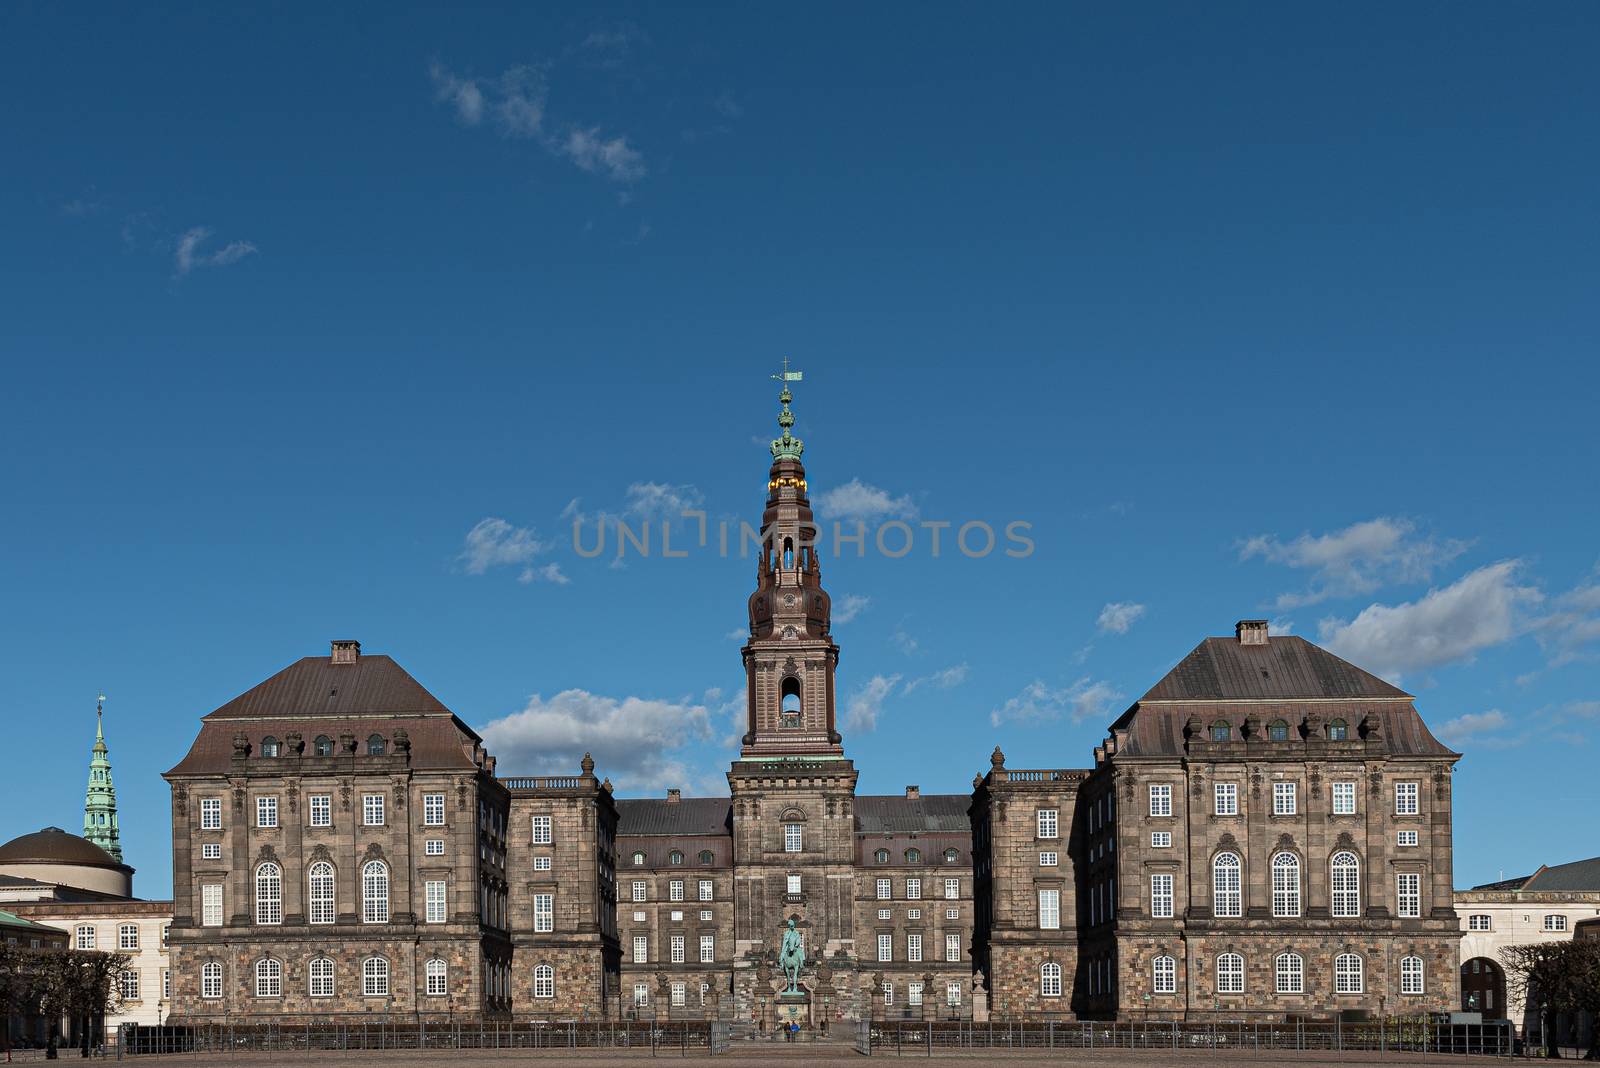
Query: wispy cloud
(904, 641)
(495, 542)
(1471, 726)
(1571, 630)
(1357, 559)
(862, 709)
(848, 607)
(1040, 702)
(858, 500)
(1118, 616)
(550, 572)
(941, 680)
(462, 94)
(189, 254)
(610, 156)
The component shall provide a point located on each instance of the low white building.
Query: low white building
(1546, 906)
(137, 929)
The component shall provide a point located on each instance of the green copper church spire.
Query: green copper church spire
(787, 446)
(100, 802)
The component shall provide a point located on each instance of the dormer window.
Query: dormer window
(1278, 731)
(674, 858)
(881, 856)
(375, 745)
(269, 746)
(705, 856)
(638, 860)
(913, 856)
(1338, 730)
(323, 746)
(1221, 731)
(950, 856)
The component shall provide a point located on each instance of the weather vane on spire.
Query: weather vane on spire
(787, 376)
(788, 445)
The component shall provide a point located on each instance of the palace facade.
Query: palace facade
(1264, 834)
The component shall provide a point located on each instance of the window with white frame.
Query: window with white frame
(543, 830)
(1050, 980)
(706, 887)
(1555, 921)
(885, 889)
(1230, 974)
(641, 949)
(127, 936)
(1408, 894)
(319, 880)
(913, 914)
(885, 947)
(793, 837)
(888, 992)
(1290, 972)
(166, 983)
(211, 851)
(269, 893)
(952, 995)
(1283, 799)
(1348, 975)
(375, 977)
(1048, 859)
(544, 981)
(434, 973)
(1410, 975)
(792, 884)
(1405, 798)
(320, 809)
(1227, 798)
(541, 863)
(913, 994)
(913, 947)
(319, 977)
(1405, 838)
(638, 890)
(676, 949)
(1161, 896)
(266, 812)
(211, 980)
(679, 993)
(544, 913)
(706, 914)
(1160, 799)
(1479, 921)
(211, 815)
(1047, 822)
(1161, 839)
(375, 892)
(1285, 885)
(708, 949)
(952, 947)
(1227, 897)
(641, 995)
(952, 889)
(269, 978)
(210, 905)
(886, 914)
(83, 936)
(1344, 799)
(1049, 910)
(675, 890)
(433, 810)
(1164, 975)
(1346, 885)
(372, 810)
(434, 847)
(433, 896)
(913, 889)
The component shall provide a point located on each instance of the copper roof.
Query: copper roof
(315, 687)
(55, 846)
(1285, 668)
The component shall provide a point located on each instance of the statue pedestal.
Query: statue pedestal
(791, 1007)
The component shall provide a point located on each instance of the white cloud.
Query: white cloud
(494, 542)
(1572, 627)
(520, 111)
(1039, 702)
(1483, 609)
(548, 573)
(461, 93)
(1360, 558)
(640, 743)
(861, 711)
(1118, 616)
(904, 642)
(189, 256)
(849, 607)
(737, 634)
(659, 500)
(858, 500)
(612, 157)
(1280, 626)
(1471, 725)
(943, 680)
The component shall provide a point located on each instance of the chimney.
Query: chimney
(346, 650)
(674, 795)
(1251, 631)
(913, 792)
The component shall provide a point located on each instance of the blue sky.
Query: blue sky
(317, 324)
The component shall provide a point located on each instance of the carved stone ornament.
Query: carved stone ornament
(1375, 783)
(1228, 842)
(241, 746)
(1255, 782)
(238, 800)
(320, 852)
(374, 851)
(292, 795)
(266, 853)
(1316, 781)
(1344, 841)
(1285, 841)
(180, 798)
(344, 796)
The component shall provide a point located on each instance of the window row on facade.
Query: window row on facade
(87, 936)
(319, 811)
(321, 893)
(375, 973)
(1343, 795)
(1289, 975)
(1228, 897)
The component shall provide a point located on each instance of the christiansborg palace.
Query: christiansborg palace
(1264, 834)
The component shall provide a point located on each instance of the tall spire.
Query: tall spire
(787, 446)
(100, 801)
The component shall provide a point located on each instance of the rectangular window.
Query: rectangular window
(886, 947)
(792, 884)
(1479, 921)
(1047, 823)
(433, 810)
(952, 947)
(266, 812)
(913, 947)
(543, 829)
(84, 937)
(1227, 795)
(433, 897)
(952, 995)
(1406, 838)
(886, 914)
(130, 985)
(1047, 859)
(952, 914)
(706, 914)
(638, 890)
(1161, 897)
(1555, 922)
(675, 890)
(1049, 910)
(320, 807)
(913, 993)
(544, 913)
(128, 936)
(1344, 799)
(166, 983)
(952, 889)
(641, 994)
(211, 814)
(211, 905)
(541, 864)
(211, 851)
(211, 981)
(1411, 975)
(1408, 894)
(372, 810)
(1160, 800)
(913, 889)
(708, 949)
(1283, 799)
(434, 847)
(885, 890)
(679, 993)
(792, 838)
(913, 914)
(641, 949)
(1164, 976)
(677, 949)
(705, 889)
(1161, 839)
(1405, 798)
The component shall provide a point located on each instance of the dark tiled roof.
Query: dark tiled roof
(437, 742)
(315, 687)
(898, 815)
(690, 816)
(1580, 876)
(1156, 730)
(1286, 668)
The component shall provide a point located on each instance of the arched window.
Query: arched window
(1411, 975)
(269, 893)
(1290, 970)
(320, 900)
(1221, 731)
(638, 860)
(913, 856)
(269, 746)
(788, 553)
(211, 980)
(1164, 975)
(269, 978)
(1346, 884)
(375, 977)
(319, 977)
(544, 981)
(323, 746)
(950, 856)
(1285, 885)
(675, 858)
(436, 978)
(881, 856)
(1227, 896)
(1347, 974)
(790, 713)
(375, 892)
(1230, 974)
(1050, 980)
(706, 857)
(1338, 731)
(375, 745)
(1278, 731)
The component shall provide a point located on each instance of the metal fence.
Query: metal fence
(1381, 1036)
(662, 1038)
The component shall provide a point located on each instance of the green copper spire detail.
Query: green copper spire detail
(788, 446)
(100, 801)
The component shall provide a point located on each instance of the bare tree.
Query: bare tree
(1556, 978)
(80, 986)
